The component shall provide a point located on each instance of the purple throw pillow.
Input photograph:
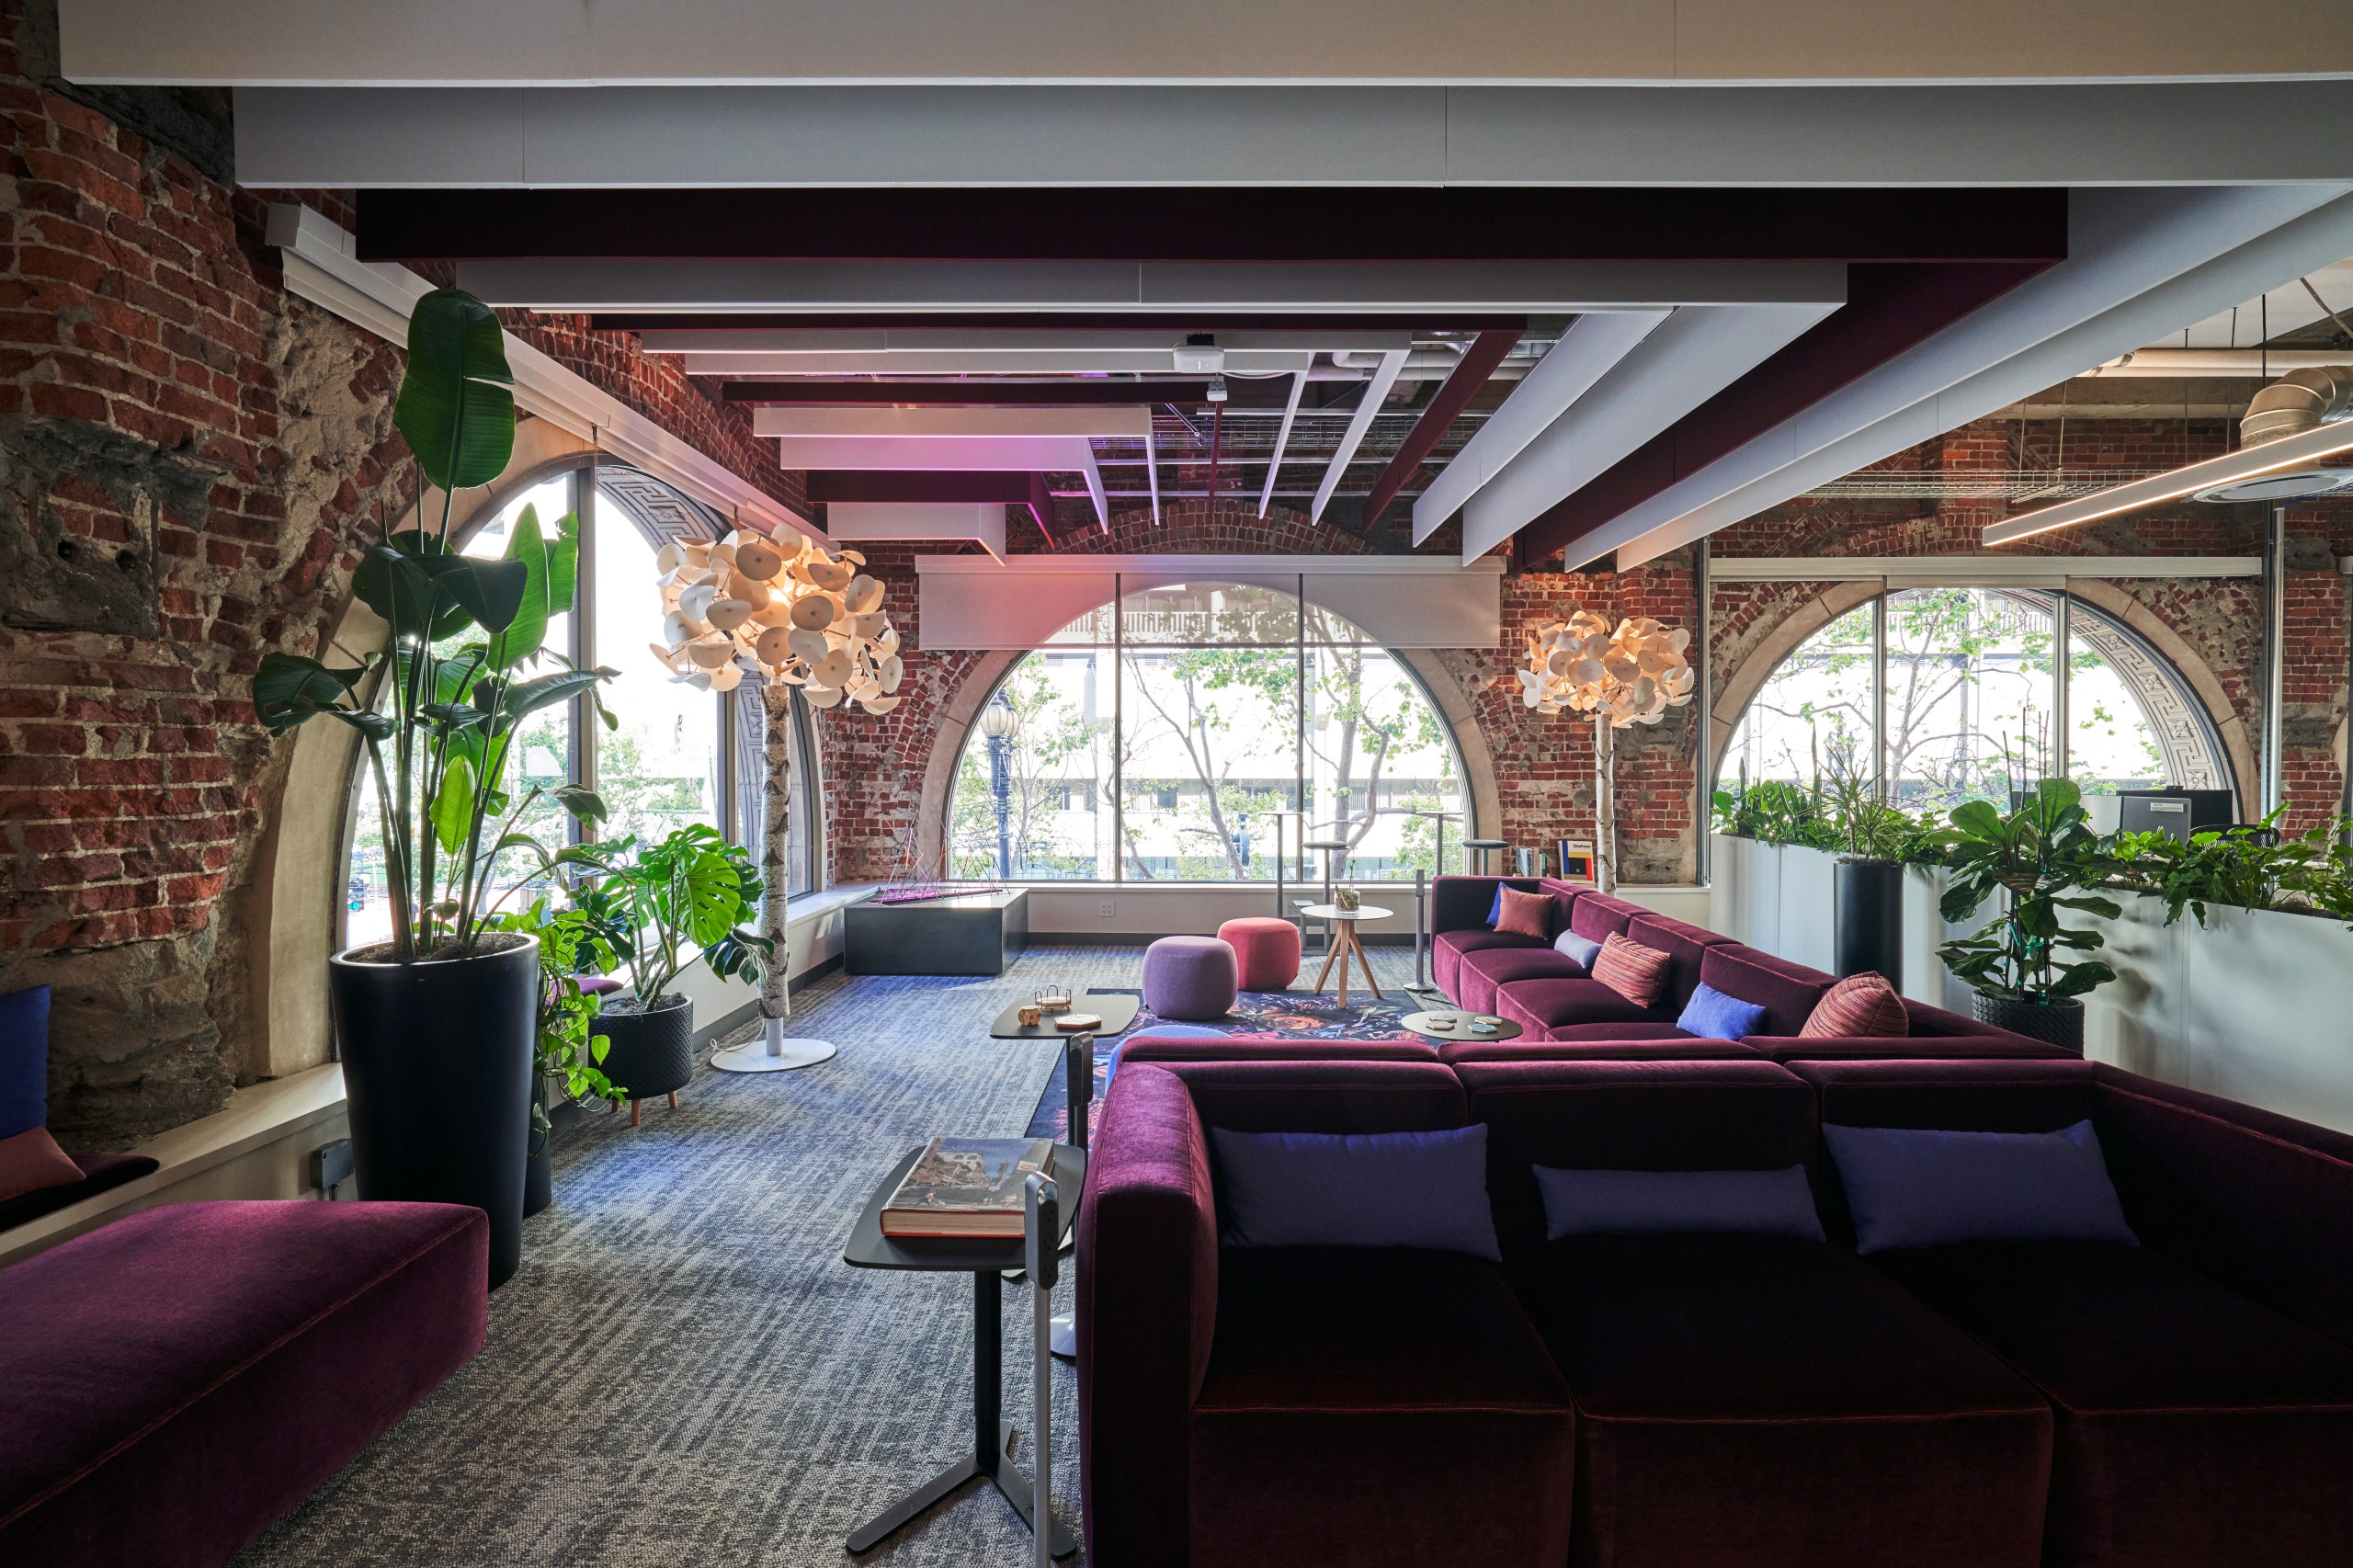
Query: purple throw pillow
(1584, 950)
(1918, 1188)
(1641, 1203)
(1716, 1014)
(23, 1061)
(1364, 1189)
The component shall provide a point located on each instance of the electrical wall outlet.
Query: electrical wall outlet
(1103, 909)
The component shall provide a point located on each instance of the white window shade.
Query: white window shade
(973, 603)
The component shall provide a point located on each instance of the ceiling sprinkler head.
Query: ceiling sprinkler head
(1217, 389)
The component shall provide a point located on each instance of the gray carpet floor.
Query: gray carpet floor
(685, 1374)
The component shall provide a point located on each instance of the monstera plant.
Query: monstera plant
(2027, 968)
(435, 1026)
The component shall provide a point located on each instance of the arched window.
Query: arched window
(1967, 692)
(664, 767)
(1160, 742)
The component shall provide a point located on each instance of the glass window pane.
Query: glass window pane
(1211, 748)
(660, 770)
(1969, 693)
(2111, 743)
(1376, 755)
(1194, 615)
(1051, 777)
(1813, 712)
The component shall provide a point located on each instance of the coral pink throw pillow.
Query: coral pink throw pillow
(1527, 914)
(1634, 972)
(1860, 1005)
(30, 1161)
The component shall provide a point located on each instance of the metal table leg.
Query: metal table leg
(992, 1436)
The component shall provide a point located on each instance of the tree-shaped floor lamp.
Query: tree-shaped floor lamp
(791, 615)
(1626, 678)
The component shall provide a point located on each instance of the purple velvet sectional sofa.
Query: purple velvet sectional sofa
(1740, 1400)
(1548, 994)
(178, 1379)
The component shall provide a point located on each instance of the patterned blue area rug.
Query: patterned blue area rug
(1292, 1015)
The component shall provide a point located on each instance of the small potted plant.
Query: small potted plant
(2036, 856)
(663, 905)
(572, 948)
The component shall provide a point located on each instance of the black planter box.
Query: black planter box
(973, 933)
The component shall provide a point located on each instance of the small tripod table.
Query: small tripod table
(1344, 945)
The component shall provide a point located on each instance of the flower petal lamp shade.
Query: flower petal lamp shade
(1630, 676)
(794, 614)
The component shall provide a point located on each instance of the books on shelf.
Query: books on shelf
(966, 1187)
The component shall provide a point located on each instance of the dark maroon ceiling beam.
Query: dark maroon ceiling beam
(1889, 311)
(1248, 223)
(937, 487)
(958, 394)
(1175, 323)
(1453, 395)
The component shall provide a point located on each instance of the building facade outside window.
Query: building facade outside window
(1972, 691)
(1160, 740)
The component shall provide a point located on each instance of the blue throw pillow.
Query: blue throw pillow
(1582, 948)
(1713, 1015)
(23, 1061)
(1641, 1203)
(1378, 1190)
(1913, 1187)
(1496, 910)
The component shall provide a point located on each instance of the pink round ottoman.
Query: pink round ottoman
(1188, 977)
(1266, 948)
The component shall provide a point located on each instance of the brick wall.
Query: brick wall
(187, 454)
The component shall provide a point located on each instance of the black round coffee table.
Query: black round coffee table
(1459, 1025)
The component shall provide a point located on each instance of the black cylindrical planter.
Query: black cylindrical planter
(653, 1052)
(539, 1163)
(437, 1069)
(1870, 920)
(2059, 1023)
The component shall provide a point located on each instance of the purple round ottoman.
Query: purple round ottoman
(1189, 977)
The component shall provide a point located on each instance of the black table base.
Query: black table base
(991, 1457)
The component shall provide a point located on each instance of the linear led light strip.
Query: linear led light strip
(2248, 462)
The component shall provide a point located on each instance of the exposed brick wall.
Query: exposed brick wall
(187, 455)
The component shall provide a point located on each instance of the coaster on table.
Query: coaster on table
(1077, 1021)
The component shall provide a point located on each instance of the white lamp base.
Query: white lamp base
(772, 1054)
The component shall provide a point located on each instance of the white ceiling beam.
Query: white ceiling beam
(955, 454)
(862, 522)
(1584, 354)
(910, 362)
(2173, 364)
(1354, 286)
(931, 423)
(2285, 308)
(1283, 433)
(1383, 377)
(775, 343)
(1977, 568)
(463, 41)
(1689, 357)
(359, 138)
(1151, 470)
(2137, 259)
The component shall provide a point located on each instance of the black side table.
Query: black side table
(987, 1259)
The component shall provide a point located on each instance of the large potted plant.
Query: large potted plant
(2036, 857)
(436, 1025)
(664, 904)
(567, 1049)
(1875, 839)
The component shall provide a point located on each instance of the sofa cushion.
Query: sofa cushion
(1448, 949)
(1384, 1190)
(1597, 915)
(1608, 1043)
(1634, 1203)
(1788, 991)
(1859, 1005)
(1164, 1044)
(1772, 1403)
(2195, 1425)
(1540, 1005)
(1931, 1186)
(1686, 947)
(31, 1162)
(1482, 973)
(181, 1378)
(1638, 973)
(100, 1173)
(1584, 949)
(1391, 1407)
(1989, 1046)
(1524, 913)
(1713, 1013)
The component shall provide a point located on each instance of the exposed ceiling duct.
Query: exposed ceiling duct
(2296, 405)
